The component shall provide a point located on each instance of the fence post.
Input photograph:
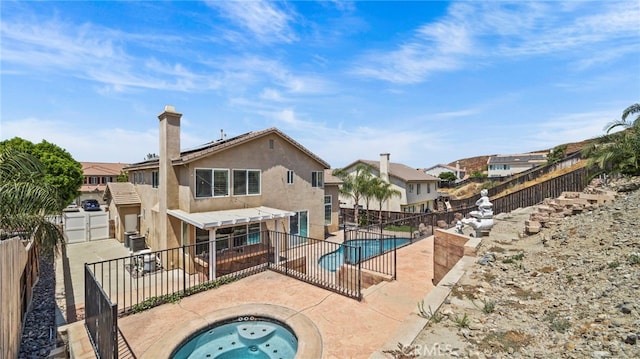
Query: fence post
(184, 269)
(359, 273)
(395, 257)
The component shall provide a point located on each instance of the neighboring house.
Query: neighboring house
(436, 170)
(418, 190)
(96, 177)
(124, 207)
(507, 165)
(331, 201)
(239, 186)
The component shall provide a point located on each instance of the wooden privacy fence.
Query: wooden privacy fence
(19, 270)
(523, 178)
(574, 181)
(570, 182)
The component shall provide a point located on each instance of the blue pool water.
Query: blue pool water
(370, 248)
(245, 337)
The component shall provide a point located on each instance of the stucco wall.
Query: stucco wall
(275, 192)
(332, 190)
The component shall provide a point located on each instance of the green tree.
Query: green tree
(26, 199)
(355, 184)
(618, 152)
(382, 192)
(556, 154)
(477, 174)
(60, 169)
(123, 177)
(447, 176)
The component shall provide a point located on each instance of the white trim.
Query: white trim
(246, 171)
(212, 219)
(213, 180)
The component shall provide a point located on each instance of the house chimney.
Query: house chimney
(169, 133)
(384, 166)
(168, 178)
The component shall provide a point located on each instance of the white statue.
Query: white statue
(482, 219)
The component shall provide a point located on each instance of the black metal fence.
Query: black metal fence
(380, 242)
(101, 317)
(423, 223)
(321, 263)
(148, 278)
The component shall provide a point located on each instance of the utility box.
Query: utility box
(137, 243)
(149, 261)
(127, 238)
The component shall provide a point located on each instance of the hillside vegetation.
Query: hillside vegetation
(479, 163)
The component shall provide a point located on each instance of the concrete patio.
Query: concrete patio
(348, 328)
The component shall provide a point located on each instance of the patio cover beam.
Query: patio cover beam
(212, 219)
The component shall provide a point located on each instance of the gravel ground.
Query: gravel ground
(571, 291)
(39, 333)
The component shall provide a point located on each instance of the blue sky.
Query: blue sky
(427, 81)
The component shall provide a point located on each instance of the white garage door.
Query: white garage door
(85, 226)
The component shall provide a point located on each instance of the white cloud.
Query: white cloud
(270, 94)
(267, 21)
(93, 53)
(481, 31)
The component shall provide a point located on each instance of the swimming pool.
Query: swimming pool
(244, 337)
(370, 248)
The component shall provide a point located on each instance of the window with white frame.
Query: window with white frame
(410, 188)
(94, 180)
(211, 182)
(428, 187)
(290, 175)
(155, 179)
(246, 182)
(418, 188)
(327, 210)
(317, 179)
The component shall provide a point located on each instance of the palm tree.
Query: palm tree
(355, 184)
(383, 192)
(618, 152)
(368, 193)
(26, 200)
(631, 110)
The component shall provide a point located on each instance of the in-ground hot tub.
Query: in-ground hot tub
(272, 318)
(243, 337)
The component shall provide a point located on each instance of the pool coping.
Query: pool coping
(308, 335)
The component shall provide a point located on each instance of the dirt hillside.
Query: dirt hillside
(479, 163)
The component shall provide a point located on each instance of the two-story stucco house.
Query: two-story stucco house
(96, 176)
(436, 170)
(507, 165)
(418, 190)
(228, 188)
